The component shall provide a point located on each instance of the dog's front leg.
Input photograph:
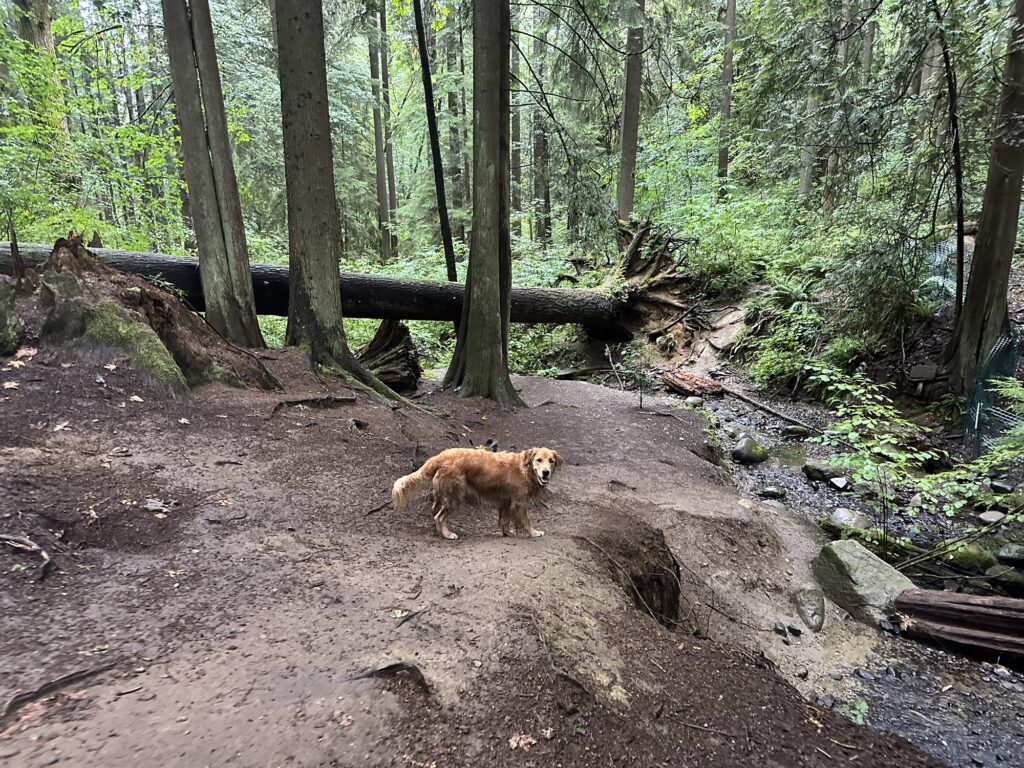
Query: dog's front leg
(505, 517)
(523, 516)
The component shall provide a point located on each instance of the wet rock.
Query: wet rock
(810, 605)
(836, 676)
(796, 432)
(839, 483)
(1010, 579)
(859, 581)
(748, 451)
(1011, 554)
(916, 501)
(779, 628)
(869, 490)
(888, 627)
(826, 701)
(772, 492)
(863, 674)
(991, 517)
(802, 673)
(1001, 486)
(820, 472)
(693, 402)
(972, 557)
(850, 518)
(794, 631)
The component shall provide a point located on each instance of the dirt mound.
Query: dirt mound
(242, 626)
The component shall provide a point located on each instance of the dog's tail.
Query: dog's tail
(410, 488)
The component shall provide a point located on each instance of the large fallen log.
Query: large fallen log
(990, 625)
(375, 296)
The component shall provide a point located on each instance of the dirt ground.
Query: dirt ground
(227, 573)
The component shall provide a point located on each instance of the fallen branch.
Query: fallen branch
(20, 542)
(378, 508)
(948, 545)
(325, 401)
(21, 699)
(780, 415)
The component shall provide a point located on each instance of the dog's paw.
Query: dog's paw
(535, 534)
(451, 536)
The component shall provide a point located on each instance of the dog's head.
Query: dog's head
(542, 463)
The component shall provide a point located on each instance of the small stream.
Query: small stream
(965, 712)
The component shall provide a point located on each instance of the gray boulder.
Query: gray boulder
(1011, 554)
(820, 472)
(858, 581)
(748, 451)
(796, 432)
(851, 518)
(810, 604)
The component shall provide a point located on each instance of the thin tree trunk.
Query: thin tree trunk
(541, 174)
(383, 210)
(839, 115)
(314, 229)
(454, 136)
(868, 54)
(727, 75)
(35, 26)
(435, 145)
(809, 154)
(984, 317)
(389, 154)
(467, 164)
(517, 154)
(630, 125)
(953, 104)
(210, 172)
(480, 364)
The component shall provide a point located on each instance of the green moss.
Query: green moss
(218, 373)
(111, 325)
(11, 325)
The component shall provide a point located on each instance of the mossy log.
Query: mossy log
(604, 316)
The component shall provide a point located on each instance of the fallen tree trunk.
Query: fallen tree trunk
(985, 624)
(375, 296)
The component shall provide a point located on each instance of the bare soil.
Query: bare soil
(227, 574)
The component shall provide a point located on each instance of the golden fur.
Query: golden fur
(508, 480)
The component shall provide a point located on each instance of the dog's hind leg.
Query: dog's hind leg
(448, 495)
(505, 517)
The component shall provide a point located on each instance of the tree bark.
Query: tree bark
(210, 172)
(838, 116)
(314, 231)
(35, 26)
(984, 317)
(517, 153)
(626, 187)
(435, 145)
(389, 150)
(868, 53)
(455, 166)
(727, 75)
(380, 172)
(541, 174)
(479, 366)
(371, 296)
(809, 153)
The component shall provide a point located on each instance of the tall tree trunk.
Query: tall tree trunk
(868, 53)
(380, 175)
(314, 295)
(809, 153)
(832, 182)
(727, 74)
(480, 364)
(435, 144)
(389, 153)
(35, 26)
(541, 173)
(984, 317)
(629, 129)
(455, 148)
(467, 164)
(517, 154)
(210, 172)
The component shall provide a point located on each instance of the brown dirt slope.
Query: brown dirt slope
(226, 573)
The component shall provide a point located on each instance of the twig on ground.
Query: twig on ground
(703, 728)
(378, 508)
(950, 544)
(411, 615)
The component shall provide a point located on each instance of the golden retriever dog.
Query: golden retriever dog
(508, 480)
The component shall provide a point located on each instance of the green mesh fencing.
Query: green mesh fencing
(987, 416)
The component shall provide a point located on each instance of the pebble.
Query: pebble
(779, 628)
(863, 674)
(146, 696)
(991, 517)
(839, 483)
(802, 673)
(772, 492)
(836, 676)
(826, 702)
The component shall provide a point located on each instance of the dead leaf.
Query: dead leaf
(548, 733)
(159, 515)
(11, 385)
(345, 720)
(25, 353)
(399, 613)
(66, 365)
(184, 421)
(15, 364)
(63, 426)
(156, 505)
(111, 366)
(946, 688)
(522, 741)
(136, 399)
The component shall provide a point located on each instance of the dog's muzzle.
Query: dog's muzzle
(543, 478)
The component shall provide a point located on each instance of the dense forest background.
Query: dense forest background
(813, 149)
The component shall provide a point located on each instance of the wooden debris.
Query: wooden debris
(691, 385)
(20, 542)
(21, 699)
(392, 356)
(323, 401)
(986, 624)
(392, 670)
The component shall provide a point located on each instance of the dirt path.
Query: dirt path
(229, 622)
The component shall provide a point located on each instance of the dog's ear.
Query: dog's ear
(559, 461)
(528, 456)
